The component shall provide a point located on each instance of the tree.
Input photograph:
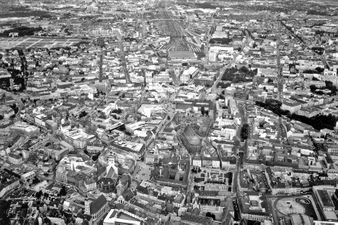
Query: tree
(313, 88)
(319, 70)
(35, 180)
(245, 131)
(85, 222)
(4, 207)
(38, 194)
(244, 69)
(63, 191)
(47, 221)
(211, 215)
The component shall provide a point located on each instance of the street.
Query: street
(240, 152)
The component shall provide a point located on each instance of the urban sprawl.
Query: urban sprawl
(169, 112)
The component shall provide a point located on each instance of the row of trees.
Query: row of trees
(318, 122)
(245, 132)
(242, 74)
(22, 31)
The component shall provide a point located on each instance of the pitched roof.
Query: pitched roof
(111, 173)
(97, 204)
(197, 219)
(128, 194)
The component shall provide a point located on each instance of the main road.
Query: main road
(240, 152)
(219, 78)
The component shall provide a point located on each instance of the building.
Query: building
(191, 141)
(57, 149)
(77, 137)
(77, 170)
(173, 172)
(108, 179)
(301, 219)
(28, 177)
(8, 181)
(25, 128)
(116, 217)
(324, 223)
(96, 209)
(254, 207)
(191, 219)
(181, 55)
(291, 106)
(90, 184)
(124, 162)
(324, 195)
(14, 158)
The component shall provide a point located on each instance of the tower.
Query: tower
(111, 164)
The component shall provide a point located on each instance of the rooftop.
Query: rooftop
(97, 204)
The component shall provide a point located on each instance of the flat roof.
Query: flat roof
(325, 197)
(124, 216)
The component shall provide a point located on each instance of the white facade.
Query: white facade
(130, 219)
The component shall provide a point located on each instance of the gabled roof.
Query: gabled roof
(197, 219)
(97, 204)
(128, 194)
(111, 173)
